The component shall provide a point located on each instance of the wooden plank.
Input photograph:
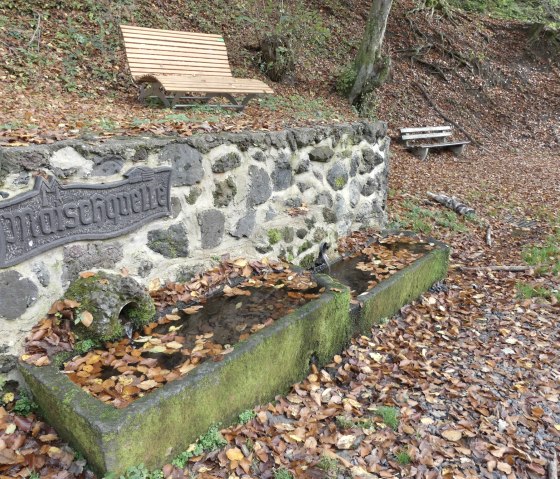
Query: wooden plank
(177, 64)
(175, 51)
(439, 145)
(425, 135)
(146, 56)
(425, 128)
(157, 31)
(226, 74)
(132, 39)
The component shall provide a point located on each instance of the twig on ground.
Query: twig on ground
(452, 203)
(37, 33)
(489, 235)
(553, 467)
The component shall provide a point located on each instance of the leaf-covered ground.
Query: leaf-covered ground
(463, 382)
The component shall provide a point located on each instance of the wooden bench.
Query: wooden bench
(430, 137)
(181, 68)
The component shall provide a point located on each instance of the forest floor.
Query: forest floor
(465, 381)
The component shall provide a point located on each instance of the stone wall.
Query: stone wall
(250, 194)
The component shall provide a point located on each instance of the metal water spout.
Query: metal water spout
(322, 259)
(128, 329)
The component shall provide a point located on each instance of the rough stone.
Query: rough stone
(301, 233)
(212, 224)
(263, 248)
(288, 234)
(354, 194)
(337, 176)
(175, 207)
(141, 154)
(186, 163)
(321, 153)
(303, 186)
(225, 192)
(202, 143)
(259, 156)
(113, 300)
(7, 361)
(245, 225)
(271, 213)
(227, 162)
(67, 161)
(329, 215)
(260, 189)
(16, 294)
(82, 257)
(171, 242)
(370, 159)
(324, 199)
(42, 273)
(371, 186)
(193, 195)
(354, 163)
(303, 166)
(108, 166)
(294, 202)
(304, 136)
(144, 268)
(370, 213)
(310, 222)
(319, 235)
(318, 174)
(282, 175)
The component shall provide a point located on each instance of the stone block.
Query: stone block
(17, 293)
(212, 223)
(171, 242)
(186, 163)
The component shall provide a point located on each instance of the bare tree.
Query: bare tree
(371, 66)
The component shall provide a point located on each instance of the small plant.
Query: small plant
(329, 465)
(85, 345)
(345, 80)
(283, 473)
(34, 475)
(403, 457)
(246, 416)
(390, 416)
(274, 236)
(213, 439)
(25, 405)
(343, 422)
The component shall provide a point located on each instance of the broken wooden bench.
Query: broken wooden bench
(182, 68)
(420, 140)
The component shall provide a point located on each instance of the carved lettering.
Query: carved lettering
(53, 214)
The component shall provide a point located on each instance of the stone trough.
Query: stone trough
(157, 427)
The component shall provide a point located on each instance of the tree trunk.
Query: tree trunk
(370, 66)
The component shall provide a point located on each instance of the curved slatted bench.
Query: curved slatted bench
(435, 135)
(176, 66)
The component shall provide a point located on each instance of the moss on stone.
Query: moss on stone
(105, 296)
(307, 261)
(304, 246)
(274, 236)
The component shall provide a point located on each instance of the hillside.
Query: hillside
(64, 73)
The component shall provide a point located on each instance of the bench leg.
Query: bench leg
(457, 150)
(151, 90)
(420, 153)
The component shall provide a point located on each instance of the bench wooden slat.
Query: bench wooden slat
(425, 135)
(426, 129)
(435, 145)
(168, 33)
(213, 84)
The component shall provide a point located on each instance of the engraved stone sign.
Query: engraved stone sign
(53, 214)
